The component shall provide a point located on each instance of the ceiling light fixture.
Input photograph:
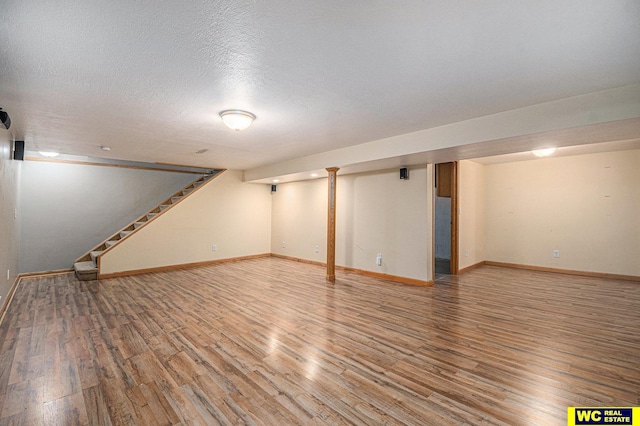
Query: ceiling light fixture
(49, 154)
(237, 119)
(105, 148)
(543, 152)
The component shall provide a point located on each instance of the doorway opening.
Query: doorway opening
(446, 218)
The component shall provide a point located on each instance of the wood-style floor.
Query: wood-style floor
(268, 341)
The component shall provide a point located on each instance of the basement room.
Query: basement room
(320, 213)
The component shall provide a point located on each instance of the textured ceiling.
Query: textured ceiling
(149, 78)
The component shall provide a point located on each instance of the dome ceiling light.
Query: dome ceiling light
(237, 119)
(543, 152)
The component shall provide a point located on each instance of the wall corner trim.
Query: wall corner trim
(299, 259)
(471, 267)
(16, 283)
(180, 266)
(7, 300)
(394, 278)
(604, 275)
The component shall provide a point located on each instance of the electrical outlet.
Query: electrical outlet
(214, 248)
(317, 249)
(284, 244)
(466, 253)
(8, 274)
(556, 253)
(379, 259)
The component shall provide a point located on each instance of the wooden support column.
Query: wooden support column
(331, 225)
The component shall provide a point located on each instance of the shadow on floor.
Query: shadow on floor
(443, 266)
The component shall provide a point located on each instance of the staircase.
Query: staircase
(86, 267)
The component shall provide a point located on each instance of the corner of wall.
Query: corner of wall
(376, 213)
(585, 207)
(9, 215)
(471, 203)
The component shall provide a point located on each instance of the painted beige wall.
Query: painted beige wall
(67, 209)
(587, 207)
(9, 224)
(299, 219)
(471, 207)
(233, 215)
(376, 213)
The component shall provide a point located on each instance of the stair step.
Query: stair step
(86, 271)
(89, 271)
(95, 254)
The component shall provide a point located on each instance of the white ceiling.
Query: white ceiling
(148, 78)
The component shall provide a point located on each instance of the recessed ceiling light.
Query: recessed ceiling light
(49, 154)
(105, 148)
(276, 180)
(543, 152)
(237, 119)
(314, 175)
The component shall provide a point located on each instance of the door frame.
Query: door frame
(454, 225)
(453, 267)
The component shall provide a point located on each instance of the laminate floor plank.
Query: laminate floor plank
(270, 342)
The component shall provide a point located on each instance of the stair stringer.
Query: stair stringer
(158, 232)
(145, 219)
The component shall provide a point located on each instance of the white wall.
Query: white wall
(67, 209)
(471, 208)
(10, 171)
(587, 207)
(234, 216)
(376, 213)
